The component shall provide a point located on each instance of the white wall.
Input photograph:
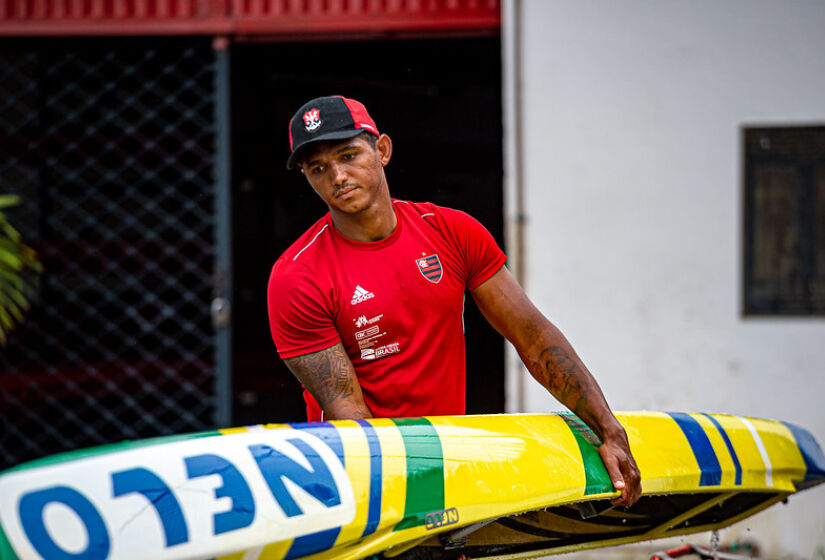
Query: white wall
(632, 116)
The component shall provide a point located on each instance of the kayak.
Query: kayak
(485, 486)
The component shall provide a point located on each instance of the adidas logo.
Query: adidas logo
(361, 295)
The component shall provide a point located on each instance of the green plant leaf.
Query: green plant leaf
(18, 299)
(19, 268)
(5, 319)
(10, 278)
(7, 200)
(10, 259)
(14, 311)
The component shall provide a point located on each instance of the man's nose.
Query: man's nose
(339, 175)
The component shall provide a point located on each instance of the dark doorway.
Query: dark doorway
(439, 99)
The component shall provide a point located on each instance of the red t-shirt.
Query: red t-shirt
(396, 304)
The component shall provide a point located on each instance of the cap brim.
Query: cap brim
(294, 158)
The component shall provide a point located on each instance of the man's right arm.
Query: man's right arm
(330, 377)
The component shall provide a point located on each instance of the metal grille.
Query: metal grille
(111, 143)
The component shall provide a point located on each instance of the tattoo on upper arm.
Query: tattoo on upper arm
(327, 374)
(564, 376)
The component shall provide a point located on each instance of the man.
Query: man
(366, 308)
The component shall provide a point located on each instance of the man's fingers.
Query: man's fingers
(623, 473)
(623, 499)
(621, 487)
(632, 479)
(618, 484)
(611, 464)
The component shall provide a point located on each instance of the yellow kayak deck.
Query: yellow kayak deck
(489, 486)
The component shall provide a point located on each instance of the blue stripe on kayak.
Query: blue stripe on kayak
(702, 449)
(327, 433)
(322, 540)
(811, 452)
(732, 452)
(312, 544)
(374, 513)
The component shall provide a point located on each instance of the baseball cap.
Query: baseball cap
(333, 117)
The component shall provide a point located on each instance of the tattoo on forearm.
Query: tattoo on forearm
(565, 378)
(326, 373)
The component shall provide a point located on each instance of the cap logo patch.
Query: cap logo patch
(312, 120)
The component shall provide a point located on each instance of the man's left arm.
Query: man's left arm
(555, 365)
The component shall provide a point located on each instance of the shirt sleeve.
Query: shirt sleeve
(482, 255)
(300, 313)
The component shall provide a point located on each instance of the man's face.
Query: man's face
(348, 174)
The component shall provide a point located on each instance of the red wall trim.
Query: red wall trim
(242, 17)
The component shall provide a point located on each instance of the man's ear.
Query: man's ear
(384, 147)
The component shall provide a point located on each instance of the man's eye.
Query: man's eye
(316, 170)
(347, 157)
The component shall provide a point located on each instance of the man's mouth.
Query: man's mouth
(343, 191)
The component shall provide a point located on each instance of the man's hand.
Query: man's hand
(621, 467)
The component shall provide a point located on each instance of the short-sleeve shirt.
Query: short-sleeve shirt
(396, 305)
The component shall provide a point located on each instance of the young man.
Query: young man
(366, 307)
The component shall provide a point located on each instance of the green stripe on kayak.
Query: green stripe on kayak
(597, 481)
(103, 449)
(6, 551)
(425, 471)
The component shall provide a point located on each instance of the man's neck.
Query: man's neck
(372, 224)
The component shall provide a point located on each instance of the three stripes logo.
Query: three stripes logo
(360, 295)
(430, 268)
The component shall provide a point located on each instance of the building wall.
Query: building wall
(632, 114)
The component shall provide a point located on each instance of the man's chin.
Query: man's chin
(350, 206)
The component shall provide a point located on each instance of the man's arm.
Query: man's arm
(330, 377)
(553, 362)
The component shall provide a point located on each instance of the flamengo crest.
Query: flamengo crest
(312, 120)
(430, 267)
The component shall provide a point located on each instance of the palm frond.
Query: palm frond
(19, 272)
